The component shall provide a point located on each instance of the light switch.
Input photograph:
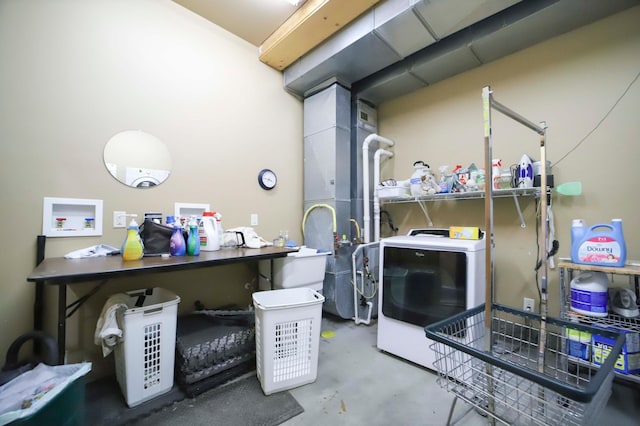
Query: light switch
(119, 219)
(254, 219)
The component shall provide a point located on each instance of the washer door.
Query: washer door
(145, 182)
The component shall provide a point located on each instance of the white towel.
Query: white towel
(108, 329)
(93, 251)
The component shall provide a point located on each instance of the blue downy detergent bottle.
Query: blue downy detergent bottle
(601, 244)
(177, 245)
(193, 241)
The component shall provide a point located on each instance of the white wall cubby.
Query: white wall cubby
(71, 217)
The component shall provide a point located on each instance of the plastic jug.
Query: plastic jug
(209, 238)
(601, 244)
(419, 175)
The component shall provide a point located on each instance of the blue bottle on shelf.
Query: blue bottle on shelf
(177, 245)
(602, 244)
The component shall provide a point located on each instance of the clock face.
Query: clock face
(267, 179)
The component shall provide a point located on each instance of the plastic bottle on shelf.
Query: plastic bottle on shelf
(417, 178)
(578, 228)
(193, 241)
(209, 238)
(601, 244)
(132, 247)
(496, 163)
(177, 245)
(219, 228)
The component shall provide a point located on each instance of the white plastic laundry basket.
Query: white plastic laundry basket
(288, 325)
(145, 358)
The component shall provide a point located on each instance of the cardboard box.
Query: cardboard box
(628, 361)
(464, 232)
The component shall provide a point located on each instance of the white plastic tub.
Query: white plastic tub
(304, 268)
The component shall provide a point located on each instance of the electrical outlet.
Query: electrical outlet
(528, 305)
(254, 219)
(119, 219)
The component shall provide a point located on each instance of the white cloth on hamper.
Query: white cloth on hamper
(108, 330)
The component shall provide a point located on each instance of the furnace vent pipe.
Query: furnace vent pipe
(366, 219)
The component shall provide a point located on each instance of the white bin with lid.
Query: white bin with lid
(304, 268)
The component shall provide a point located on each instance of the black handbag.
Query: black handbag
(156, 236)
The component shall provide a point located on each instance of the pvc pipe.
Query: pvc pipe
(365, 180)
(376, 200)
(354, 278)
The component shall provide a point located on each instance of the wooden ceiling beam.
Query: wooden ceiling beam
(309, 26)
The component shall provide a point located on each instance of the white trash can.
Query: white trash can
(287, 325)
(146, 356)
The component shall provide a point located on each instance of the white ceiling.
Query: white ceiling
(251, 20)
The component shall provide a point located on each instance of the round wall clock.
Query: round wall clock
(267, 179)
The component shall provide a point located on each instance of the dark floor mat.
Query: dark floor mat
(240, 402)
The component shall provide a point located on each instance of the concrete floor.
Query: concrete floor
(358, 384)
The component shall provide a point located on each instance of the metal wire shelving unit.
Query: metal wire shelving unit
(513, 365)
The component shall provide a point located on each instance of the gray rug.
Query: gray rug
(240, 402)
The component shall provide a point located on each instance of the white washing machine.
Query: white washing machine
(138, 177)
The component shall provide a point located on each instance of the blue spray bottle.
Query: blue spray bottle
(193, 241)
(177, 245)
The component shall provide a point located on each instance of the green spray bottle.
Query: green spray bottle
(193, 240)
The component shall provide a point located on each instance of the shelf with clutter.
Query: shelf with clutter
(592, 294)
(463, 183)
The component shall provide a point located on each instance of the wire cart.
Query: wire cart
(505, 382)
(514, 366)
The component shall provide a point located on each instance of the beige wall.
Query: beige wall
(76, 73)
(571, 82)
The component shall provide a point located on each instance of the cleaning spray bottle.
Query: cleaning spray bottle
(193, 241)
(219, 228)
(177, 245)
(132, 247)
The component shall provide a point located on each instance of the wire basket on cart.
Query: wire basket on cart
(506, 382)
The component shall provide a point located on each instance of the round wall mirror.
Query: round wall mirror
(137, 159)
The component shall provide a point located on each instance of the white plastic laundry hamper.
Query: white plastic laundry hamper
(145, 359)
(287, 325)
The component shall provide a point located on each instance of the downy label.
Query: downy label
(599, 249)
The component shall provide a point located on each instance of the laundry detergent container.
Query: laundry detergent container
(304, 268)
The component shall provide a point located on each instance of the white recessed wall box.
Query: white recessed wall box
(71, 217)
(190, 209)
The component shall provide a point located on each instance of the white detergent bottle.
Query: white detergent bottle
(209, 239)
